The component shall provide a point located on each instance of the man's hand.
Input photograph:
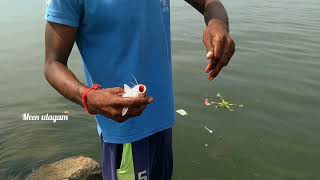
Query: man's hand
(220, 47)
(109, 102)
(216, 38)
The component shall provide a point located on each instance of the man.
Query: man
(118, 38)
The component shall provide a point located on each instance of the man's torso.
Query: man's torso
(118, 38)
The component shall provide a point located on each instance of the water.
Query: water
(274, 73)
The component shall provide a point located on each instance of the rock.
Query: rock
(73, 168)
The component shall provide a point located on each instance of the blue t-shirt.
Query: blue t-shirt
(118, 38)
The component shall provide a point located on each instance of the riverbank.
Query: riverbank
(72, 168)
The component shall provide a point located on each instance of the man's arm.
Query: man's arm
(216, 36)
(211, 9)
(59, 40)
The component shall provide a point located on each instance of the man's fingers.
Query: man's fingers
(143, 95)
(211, 66)
(218, 68)
(218, 43)
(223, 58)
(208, 68)
(231, 49)
(134, 101)
(215, 54)
(116, 90)
(136, 111)
(208, 43)
(228, 51)
(116, 113)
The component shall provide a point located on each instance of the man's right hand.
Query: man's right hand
(109, 102)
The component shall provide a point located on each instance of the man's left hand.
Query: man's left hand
(220, 47)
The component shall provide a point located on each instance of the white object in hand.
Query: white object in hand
(135, 91)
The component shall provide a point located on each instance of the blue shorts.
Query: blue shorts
(147, 159)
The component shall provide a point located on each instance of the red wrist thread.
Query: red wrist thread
(85, 96)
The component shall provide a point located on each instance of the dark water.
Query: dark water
(274, 73)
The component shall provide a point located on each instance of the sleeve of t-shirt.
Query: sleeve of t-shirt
(65, 12)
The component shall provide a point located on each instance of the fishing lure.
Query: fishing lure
(223, 104)
(134, 91)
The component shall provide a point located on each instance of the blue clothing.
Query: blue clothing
(118, 38)
(148, 158)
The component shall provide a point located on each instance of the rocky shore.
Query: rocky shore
(73, 168)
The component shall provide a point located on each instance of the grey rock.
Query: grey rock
(73, 168)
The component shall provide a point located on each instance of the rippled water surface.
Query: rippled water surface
(275, 74)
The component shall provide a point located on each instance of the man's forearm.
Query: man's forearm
(64, 81)
(211, 9)
(59, 41)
